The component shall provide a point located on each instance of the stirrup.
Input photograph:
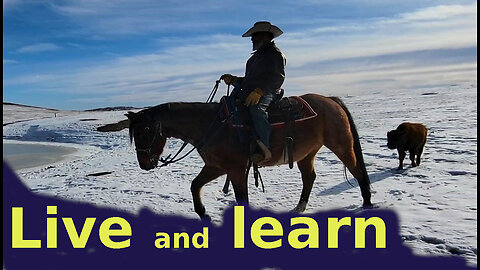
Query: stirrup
(259, 158)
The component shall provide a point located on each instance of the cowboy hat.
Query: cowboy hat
(263, 27)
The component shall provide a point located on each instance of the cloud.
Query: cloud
(98, 19)
(430, 28)
(355, 81)
(404, 50)
(7, 4)
(10, 61)
(442, 12)
(436, 16)
(39, 47)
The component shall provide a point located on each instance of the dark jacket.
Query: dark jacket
(265, 69)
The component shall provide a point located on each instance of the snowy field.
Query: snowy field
(436, 202)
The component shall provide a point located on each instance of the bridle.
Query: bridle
(148, 149)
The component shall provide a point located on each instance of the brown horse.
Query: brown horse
(223, 153)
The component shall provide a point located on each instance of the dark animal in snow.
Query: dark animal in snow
(409, 137)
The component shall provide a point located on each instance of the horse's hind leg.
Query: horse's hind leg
(308, 177)
(206, 175)
(357, 170)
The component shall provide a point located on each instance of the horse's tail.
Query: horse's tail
(357, 148)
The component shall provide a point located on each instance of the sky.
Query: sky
(89, 54)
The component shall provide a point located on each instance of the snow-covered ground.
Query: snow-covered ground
(436, 202)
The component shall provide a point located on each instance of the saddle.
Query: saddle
(282, 113)
(289, 109)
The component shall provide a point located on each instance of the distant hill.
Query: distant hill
(27, 106)
(115, 108)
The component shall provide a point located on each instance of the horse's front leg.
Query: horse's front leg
(206, 175)
(238, 178)
(308, 177)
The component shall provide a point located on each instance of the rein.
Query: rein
(214, 92)
(169, 159)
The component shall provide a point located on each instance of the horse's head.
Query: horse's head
(149, 139)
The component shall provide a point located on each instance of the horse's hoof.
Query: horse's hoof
(206, 218)
(368, 206)
(300, 208)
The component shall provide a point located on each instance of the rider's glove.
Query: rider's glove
(254, 97)
(228, 78)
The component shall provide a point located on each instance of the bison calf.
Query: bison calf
(408, 136)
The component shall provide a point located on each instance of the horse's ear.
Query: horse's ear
(131, 115)
(115, 126)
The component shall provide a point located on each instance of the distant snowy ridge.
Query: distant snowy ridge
(116, 108)
(16, 113)
(28, 106)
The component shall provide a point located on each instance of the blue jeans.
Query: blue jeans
(258, 113)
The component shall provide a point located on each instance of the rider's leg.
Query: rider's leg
(258, 113)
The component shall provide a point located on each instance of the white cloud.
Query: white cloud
(99, 19)
(437, 27)
(39, 47)
(355, 81)
(192, 64)
(442, 12)
(10, 61)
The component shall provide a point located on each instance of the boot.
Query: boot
(259, 157)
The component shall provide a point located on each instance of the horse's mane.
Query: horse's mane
(171, 109)
(176, 107)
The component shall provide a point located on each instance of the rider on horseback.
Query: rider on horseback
(264, 75)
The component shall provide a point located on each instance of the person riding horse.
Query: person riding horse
(332, 127)
(264, 75)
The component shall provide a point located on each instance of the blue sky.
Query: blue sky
(87, 54)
